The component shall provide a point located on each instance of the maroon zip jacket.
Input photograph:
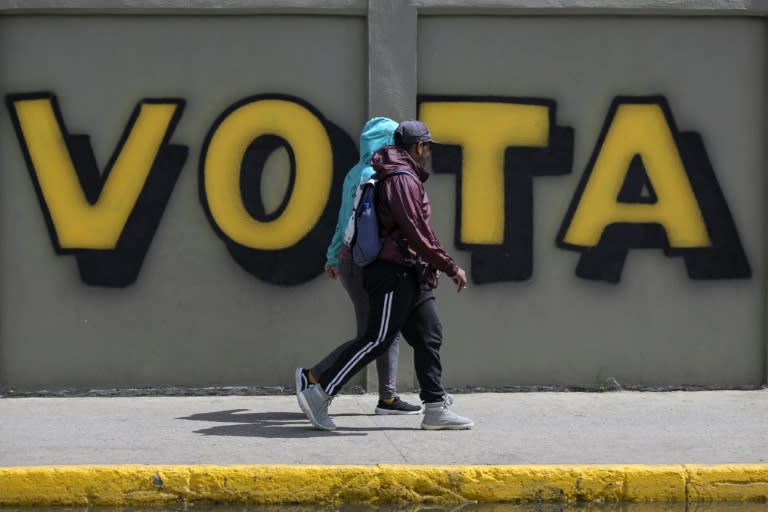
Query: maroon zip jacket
(404, 212)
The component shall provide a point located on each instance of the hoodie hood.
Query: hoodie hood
(392, 158)
(377, 133)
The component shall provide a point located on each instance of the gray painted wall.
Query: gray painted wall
(196, 318)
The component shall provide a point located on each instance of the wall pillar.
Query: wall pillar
(392, 89)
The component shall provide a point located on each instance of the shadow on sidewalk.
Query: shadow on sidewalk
(275, 425)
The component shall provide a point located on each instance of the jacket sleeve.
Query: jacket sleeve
(406, 210)
(332, 253)
(345, 210)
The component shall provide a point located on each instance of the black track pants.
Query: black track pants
(396, 304)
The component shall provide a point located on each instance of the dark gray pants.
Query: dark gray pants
(351, 277)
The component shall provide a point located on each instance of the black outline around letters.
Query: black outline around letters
(305, 260)
(513, 259)
(725, 259)
(117, 267)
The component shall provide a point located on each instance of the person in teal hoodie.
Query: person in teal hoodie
(377, 133)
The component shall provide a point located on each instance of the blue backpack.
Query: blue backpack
(366, 240)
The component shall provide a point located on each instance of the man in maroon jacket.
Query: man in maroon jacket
(399, 286)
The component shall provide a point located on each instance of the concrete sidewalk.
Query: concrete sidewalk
(517, 432)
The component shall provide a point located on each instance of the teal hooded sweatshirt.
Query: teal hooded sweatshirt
(377, 133)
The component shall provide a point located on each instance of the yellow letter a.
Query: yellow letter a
(637, 129)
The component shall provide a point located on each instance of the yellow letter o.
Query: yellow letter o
(313, 160)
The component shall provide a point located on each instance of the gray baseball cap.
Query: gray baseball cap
(412, 131)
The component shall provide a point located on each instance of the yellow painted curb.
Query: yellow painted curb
(276, 484)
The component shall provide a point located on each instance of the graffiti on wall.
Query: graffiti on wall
(495, 146)
(286, 246)
(105, 219)
(647, 185)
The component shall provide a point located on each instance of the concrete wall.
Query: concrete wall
(182, 298)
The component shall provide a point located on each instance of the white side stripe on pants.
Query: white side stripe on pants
(383, 327)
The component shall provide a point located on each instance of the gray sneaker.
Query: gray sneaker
(314, 404)
(438, 417)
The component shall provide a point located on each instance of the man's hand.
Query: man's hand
(460, 278)
(332, 272)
